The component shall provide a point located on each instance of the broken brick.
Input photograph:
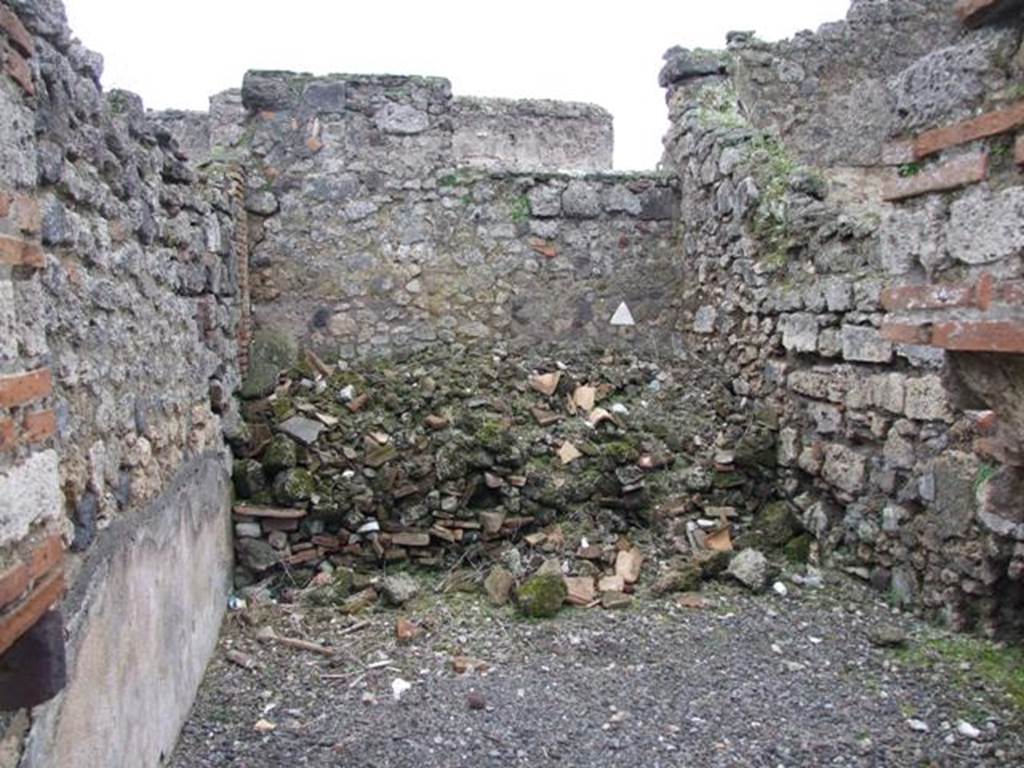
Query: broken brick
(989, 124)
(24, 388)
(952, 174)
(980, 336)
(18, 36)
(40, 426)
(20, 618)
(975, 13)
(18, 69)
(20, 253)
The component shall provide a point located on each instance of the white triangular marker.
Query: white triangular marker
(623, 316)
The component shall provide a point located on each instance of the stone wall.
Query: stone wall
(880, 452)
(119, 318)
(369, 233)
(531, 135)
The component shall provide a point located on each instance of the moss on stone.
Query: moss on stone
(777, 524)
(270, 353)
(334, 593)
(541, 596)
(620, 452)
(798, 549)
(248, 478)
(294, 486)
(281, 454)
(685, 578)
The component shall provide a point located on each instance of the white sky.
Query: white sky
(176, 54)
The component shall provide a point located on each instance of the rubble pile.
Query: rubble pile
(495, 463)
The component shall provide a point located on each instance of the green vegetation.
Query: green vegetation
(520, 209)
(908, 170)
(972, 660)
(985, 473)
(773, 167)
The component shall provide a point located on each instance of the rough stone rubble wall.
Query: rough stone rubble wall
(369, 233)
(119, 312)
(877, 446)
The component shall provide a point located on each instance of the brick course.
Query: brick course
(19, 37)
(990, 124)
(17, 252)
(949, 175)
(24, 388)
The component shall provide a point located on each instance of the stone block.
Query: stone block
(580, 200)
(888, 391)
(865, 345)
(955, 501)
(401, 119)
(819, 385)
(984, 226)
(927, 400)
(619, 199)
(911, 237)
(799, 332)
(844, 468)
(658, 204)
(838, 295)
(545, 201)
(704, 321)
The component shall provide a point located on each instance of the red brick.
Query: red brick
(47, 556)
(974, 13)
(19, 71)
(906, 333)
(915, 297)
(13, 583)
(1018, 150)
(26, 214)
(19, 619)
(23, 388)
(15, 31)
(980, 336)
(5, 204)
(951, 174)
(8, 436)
(39, 426)
(990, 124)
(18, 252)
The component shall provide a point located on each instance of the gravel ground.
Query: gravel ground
(746, 681)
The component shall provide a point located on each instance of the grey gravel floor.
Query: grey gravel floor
(748, 681)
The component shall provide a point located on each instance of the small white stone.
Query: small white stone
(399, 687)
(967, 730)
(780, 589)
(918, 725)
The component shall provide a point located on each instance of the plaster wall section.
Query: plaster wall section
(531, 135)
